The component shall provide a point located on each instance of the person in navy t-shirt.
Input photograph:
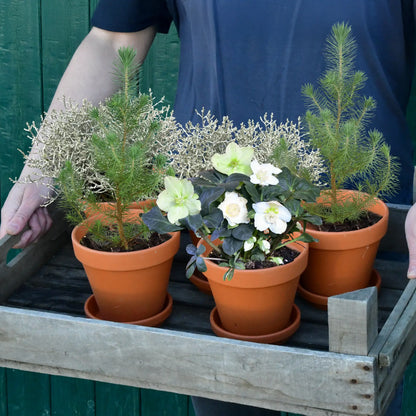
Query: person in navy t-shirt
(242, 59)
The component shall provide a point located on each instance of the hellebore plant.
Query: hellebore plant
(244, 210)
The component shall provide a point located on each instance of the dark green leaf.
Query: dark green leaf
(237, 177)
(294, 206)
(215, 234)
(306, 238)
(239, 265)
(273, 192)
(191, 249)
(210, 178)
(228, 275)
(192, 222)
(156, 221)
(222, 231)
(210, 195)
(231, 245)
(243, 232)
(258, 256)
(252, 191)
(200, 250)
(313, 219)
(190, 268)
(214, 219)
(200, 264)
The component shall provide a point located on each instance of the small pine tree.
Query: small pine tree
(336, 119)
(122, 151)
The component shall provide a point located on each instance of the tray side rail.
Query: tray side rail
(18, 270)
(353, 317)
(281, 378)
(395, 345)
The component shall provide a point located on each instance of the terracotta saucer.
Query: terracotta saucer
(278, 337)
(92, 311)
(200, 282)
(321, 302)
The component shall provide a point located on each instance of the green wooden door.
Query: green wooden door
(37, 39)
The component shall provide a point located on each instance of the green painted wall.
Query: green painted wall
(37, 39)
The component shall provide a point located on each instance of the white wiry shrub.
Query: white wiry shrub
(66, 135)
(190, 147)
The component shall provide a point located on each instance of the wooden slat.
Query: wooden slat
(398, 325)
(28, 261)
(116, 400)
(162, 403)
(267, 376)
(3, 392)
(72, 397)
(64, 25)
(409, 399)
(20, 83)
(93, 5)
(352, 321)
(27, 393)
(390, 377)
(191, 410)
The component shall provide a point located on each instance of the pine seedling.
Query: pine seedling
(337, 120)
(121, 146)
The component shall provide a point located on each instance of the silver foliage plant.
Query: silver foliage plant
(190, 147)
(65, 135)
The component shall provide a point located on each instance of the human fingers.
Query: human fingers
(47, 218)
(39, 223)
(8, 211)
(410, 229)
(43, 222)
(24, 205)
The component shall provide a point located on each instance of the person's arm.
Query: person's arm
(89, 76)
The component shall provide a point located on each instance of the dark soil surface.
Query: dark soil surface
(287, 254)
(369, 218)
(136, 244)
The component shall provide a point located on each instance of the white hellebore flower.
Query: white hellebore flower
(234, 209)
(264, 246)
(271, 215)
(263, 173)
(249, 244)
(178, 199)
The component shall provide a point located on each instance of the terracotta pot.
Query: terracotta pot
(342, 262)
(256, 302)
(128, 286)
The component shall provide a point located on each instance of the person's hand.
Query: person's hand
(23, 207)
(410, 228)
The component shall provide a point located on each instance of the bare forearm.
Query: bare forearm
(89, 75)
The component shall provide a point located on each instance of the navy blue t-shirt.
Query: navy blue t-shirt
(245, 58)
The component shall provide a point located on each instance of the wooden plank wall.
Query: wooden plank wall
(37, 39)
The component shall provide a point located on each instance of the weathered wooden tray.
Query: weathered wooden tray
(347, 367)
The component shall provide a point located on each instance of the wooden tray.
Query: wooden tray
(346, 361)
